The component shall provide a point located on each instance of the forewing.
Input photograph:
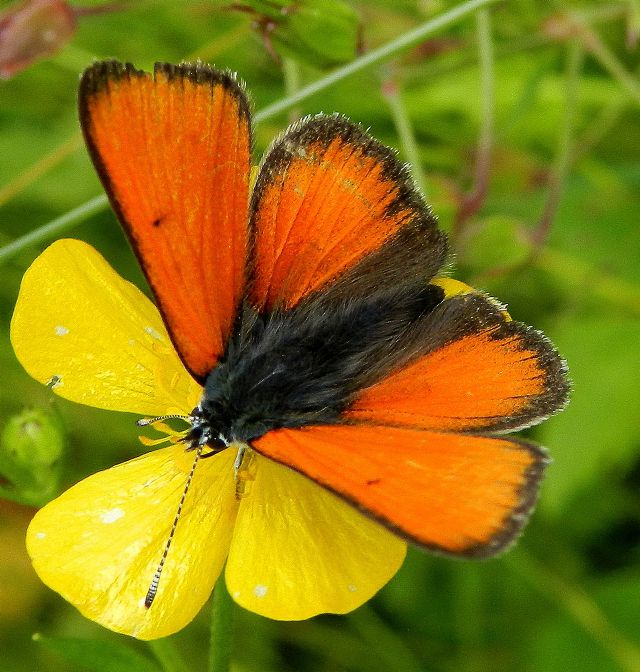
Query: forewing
(331, 205)
(173, 152)
(451, 493)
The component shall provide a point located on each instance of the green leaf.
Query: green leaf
(98, 655)
(319, 32)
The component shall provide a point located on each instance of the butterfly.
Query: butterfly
(312, 315)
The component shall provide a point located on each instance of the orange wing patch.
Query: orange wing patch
(173, 152)
(328, 196)
(488, 373)
(452, 493)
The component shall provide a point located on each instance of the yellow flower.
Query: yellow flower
(292, 549)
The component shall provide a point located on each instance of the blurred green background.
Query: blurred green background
(522, 121)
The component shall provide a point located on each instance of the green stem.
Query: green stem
(167, 655)
(39, 168)
(470, 610)
(559, 173)
(374, 57)
(575, 272)
(487, 80)
(580, 606)
(405, 41)
(633, 23)
(474, 199)
(404, 129)
(609, 61)
(54, 227)
(220, 44)
(221, 628)
(292, 79)
(561, 164)
(391, 649)
(600, 126)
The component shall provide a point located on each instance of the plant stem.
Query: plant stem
(221, 628)
(167, 655)
(375, 56)
(580, 606)
(291, 73)
(473, 200)
(220, 44)
(55, 226)
(39, 168)
(561, 165)
(404, 129)
(610, 62)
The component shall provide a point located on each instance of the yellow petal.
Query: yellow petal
(96, 336)
(453, 288)
(100, 542)
(298, 550)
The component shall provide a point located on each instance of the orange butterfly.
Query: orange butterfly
(307, 310)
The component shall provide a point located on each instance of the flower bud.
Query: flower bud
(33, 30)
(31, 448)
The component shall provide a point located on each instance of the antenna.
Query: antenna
(143, 422)
(153, 588)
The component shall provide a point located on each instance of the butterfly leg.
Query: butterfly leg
(244, 469)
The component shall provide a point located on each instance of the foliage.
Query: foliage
(523, 123)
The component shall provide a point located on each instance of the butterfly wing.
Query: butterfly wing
(405, 452)
(173, 152)
(330, 203)
(451, 493)
(476, 370)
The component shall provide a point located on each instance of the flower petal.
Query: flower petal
(298, 550)
(95, 337)
(100, 542)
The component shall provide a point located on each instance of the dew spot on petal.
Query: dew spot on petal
(175, 379)
(235, 594)
(60, 330)
(352, 588)
(40, 535)
(153, 333)
(111, 515)
(260, 590)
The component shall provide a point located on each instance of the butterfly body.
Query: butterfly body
(302, 366)
(305, 306)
